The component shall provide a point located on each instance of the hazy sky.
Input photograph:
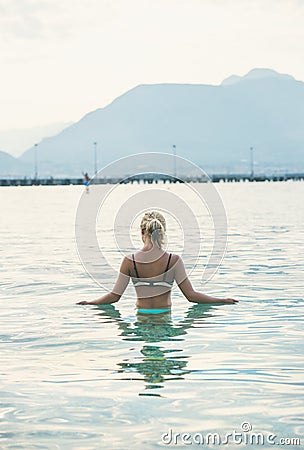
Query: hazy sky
(63, 58)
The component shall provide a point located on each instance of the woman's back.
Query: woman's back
(152, 273)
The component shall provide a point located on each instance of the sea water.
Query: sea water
(89, 377)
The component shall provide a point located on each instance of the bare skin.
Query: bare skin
(158, 259)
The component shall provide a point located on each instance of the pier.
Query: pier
(149, 178)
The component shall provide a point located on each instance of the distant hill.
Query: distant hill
(257, 74)
(16, 141)
(11, 167)
(213, 126)
(8, 164)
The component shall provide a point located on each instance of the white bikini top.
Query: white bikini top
(163, 282)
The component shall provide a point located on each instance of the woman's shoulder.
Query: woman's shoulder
(174, 256)
(175, 259)
(129, 257)
(140, 255)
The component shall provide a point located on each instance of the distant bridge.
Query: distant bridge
(149, 178)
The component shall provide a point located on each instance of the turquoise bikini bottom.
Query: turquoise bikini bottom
(153, 311)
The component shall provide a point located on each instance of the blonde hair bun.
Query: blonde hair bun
(154, 224)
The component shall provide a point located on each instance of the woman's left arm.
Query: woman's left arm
(118, 289)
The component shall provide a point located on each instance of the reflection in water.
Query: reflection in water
(157, 364)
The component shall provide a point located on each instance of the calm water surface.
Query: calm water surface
(87, 377)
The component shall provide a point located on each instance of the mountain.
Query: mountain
(213, 126)
(257, 74)
(8, 164)
(16, 141)
(11, 167)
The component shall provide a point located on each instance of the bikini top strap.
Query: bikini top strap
(134, 264)
(165, 273)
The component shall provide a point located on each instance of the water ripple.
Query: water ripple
(101, 377)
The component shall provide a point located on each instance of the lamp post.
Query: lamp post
(251, 163)
(174, 155)
(95, 157)
(35, 162)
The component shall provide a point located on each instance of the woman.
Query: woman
(153, 272)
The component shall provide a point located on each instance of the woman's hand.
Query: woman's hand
(229, 300)
(106, 299)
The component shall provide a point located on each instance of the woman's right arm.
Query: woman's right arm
(186, 287)
(118, 289)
